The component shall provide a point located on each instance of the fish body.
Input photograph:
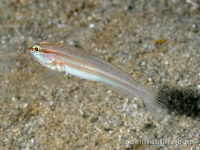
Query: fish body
(69, 59)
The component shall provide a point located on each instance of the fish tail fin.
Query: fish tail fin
(155, 102)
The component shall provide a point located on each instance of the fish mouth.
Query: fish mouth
(30, 48)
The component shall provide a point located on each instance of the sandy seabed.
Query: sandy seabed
(156, 42)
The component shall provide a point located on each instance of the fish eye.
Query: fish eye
(36, 48)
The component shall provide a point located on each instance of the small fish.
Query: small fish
(69, 59)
